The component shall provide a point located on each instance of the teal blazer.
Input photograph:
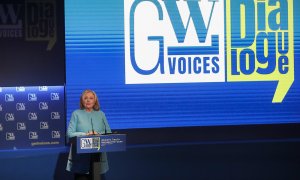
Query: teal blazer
(82, 122)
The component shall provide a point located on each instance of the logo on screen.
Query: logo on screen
(260, 43)
(33, 135)
(32, 97)
(55, 134)
(41, 21)
(9, 117)
(20, 106)
(44, 125)
(43, 88)
(32, 116)
(10, 136)
(0, 107)
(9, 98)
(54, 96)
(43, 106)
(171, 41)
(55, 115)
(11, 21)
(1, 127)
(21, 126)
(20, 89)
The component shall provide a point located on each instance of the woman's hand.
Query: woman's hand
(92, 133)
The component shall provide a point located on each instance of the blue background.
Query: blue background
(95, 58)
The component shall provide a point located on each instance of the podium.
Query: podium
(96, 144)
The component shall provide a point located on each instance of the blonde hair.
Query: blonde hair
(96, 106)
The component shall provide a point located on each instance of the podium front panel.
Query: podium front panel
(100, 143)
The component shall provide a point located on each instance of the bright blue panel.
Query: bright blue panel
(95, 56)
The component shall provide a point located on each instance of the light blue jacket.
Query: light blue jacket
(82, 122)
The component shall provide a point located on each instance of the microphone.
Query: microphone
(104, 128)
(92, 126)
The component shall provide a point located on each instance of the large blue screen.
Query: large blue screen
(185, 63)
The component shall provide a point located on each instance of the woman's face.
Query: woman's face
(88, 100)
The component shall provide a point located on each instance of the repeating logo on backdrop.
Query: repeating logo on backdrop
(9, 116)
(9, 98)
(44, 125)
(20, 89)
(32, 97)
(55, 134)
(10, 136)
(20, 106)
(43, 106)
(54, 96)
(32, 116)
(33, 135)
(55, 115)
(171, 41)
(21, 126)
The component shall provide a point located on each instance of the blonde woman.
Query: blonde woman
(88, 120)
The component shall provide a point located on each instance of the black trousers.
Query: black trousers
(86, 176)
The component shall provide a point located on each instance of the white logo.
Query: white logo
(90, 143)
(21, 126)
(174, 41)
(54, 96)
(32, 97)
(1, 127)
(43, 88)
(55, 115)
(43, 105)
(9, 97)
(32, 116)
(44, 125)
(20, 106)
(9, 116)
(0, 107)
(0, 89)
(20, 89)
(33, 135)
(10, 136)
(55, 134)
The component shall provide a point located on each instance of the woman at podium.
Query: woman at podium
(88, 120)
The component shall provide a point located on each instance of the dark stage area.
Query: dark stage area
(272, 160)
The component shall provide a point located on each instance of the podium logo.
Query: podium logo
(20, 106)
(55, 115)
(32, 116)
(33, 135)
(174, 41)
(55, 134)
(9, 98)
(43, 88)
(10, 136)
(32, 97)
(9, 117)
(21, 126)
(44, 125)
(54, 96)
(90, 143)
(43, 106)
(20, 89)
(1, 127)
